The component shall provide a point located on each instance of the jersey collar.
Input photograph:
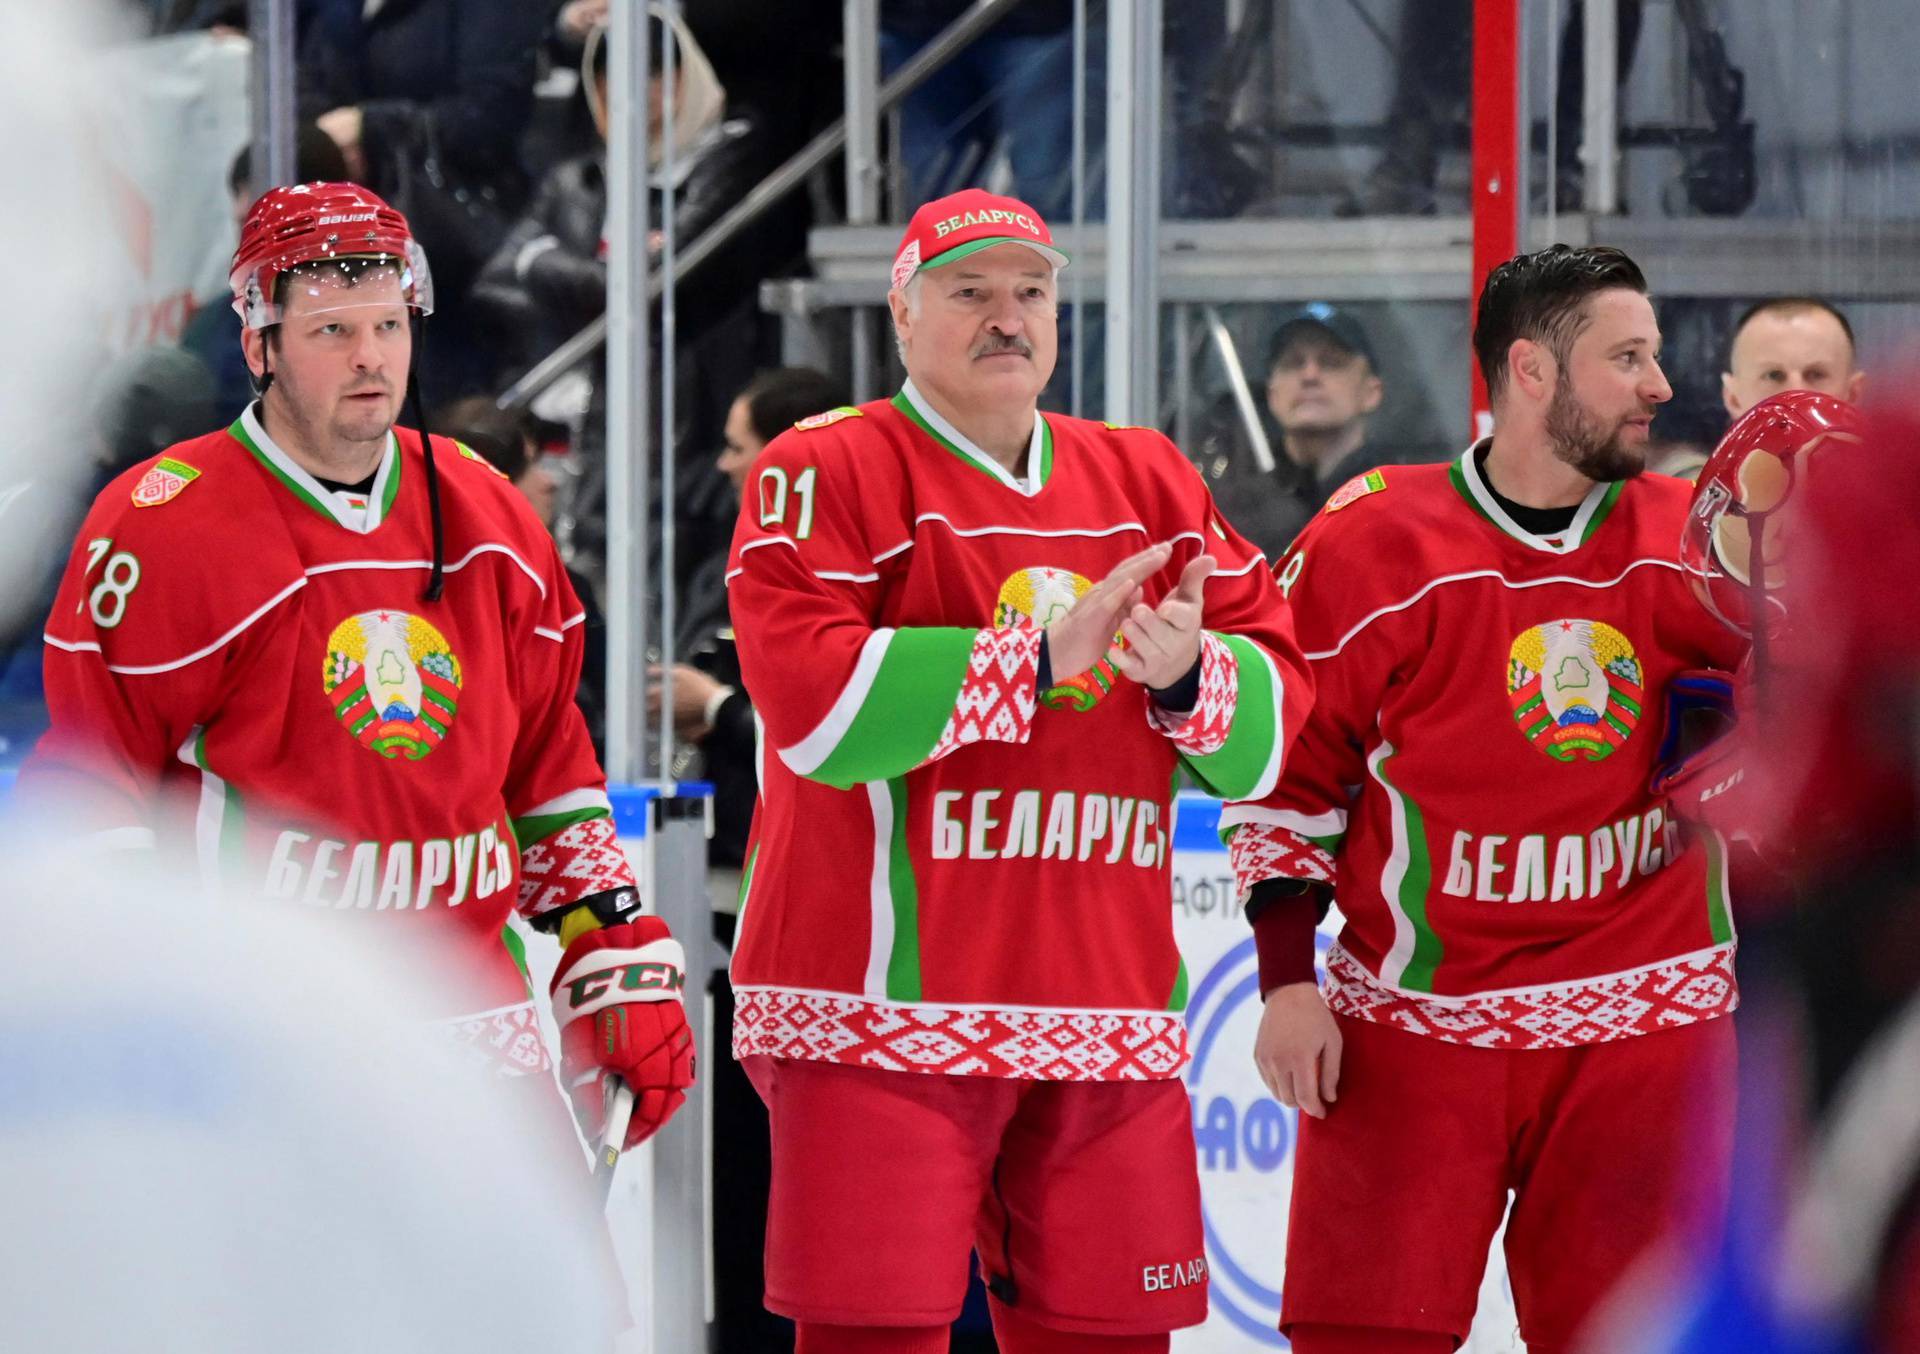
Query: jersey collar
(1039, 451)
(1471, 484)
(356, 512)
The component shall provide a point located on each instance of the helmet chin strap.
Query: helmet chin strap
(265, 378)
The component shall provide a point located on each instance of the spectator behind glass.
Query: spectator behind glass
(1013, 81)
(506, 440)
(209, 331)
(427, 100)
(709, 709)
(548, 279)
(1789, 343)
(1322, 389)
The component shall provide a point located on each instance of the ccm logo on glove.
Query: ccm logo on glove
(616, 998)
(656, 979)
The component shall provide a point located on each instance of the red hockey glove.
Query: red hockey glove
(616, 998)
(1702, 758)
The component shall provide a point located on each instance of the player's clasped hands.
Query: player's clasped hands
(1082, 637)
(1163, 642)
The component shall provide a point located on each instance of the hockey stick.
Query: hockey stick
(619, 1114)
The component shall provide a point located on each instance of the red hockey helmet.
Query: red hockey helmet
(1738, 500)
(309, 223)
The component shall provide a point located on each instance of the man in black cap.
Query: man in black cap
(1322, 386)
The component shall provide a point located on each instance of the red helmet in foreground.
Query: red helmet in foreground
(311, 223)
(1737, 533)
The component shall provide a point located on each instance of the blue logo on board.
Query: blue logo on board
(1239, 1133)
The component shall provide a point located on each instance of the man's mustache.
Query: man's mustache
(1003, 343)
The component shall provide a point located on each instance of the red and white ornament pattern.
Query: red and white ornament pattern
(1658, 997)
(504, 1043)
(578, 861)
(997, 696)
(1260, 851)
(1008, 1043)
(1202, 731)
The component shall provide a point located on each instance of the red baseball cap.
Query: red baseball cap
(965, 222)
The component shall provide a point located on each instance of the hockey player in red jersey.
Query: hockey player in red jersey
(957, 984)
(1529, 990)
(341, 664)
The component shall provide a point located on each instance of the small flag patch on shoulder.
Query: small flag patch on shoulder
(1355, 489)
(814, 422)
(163, 482)
(473, 455)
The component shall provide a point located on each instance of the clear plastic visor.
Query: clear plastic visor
(265, 297)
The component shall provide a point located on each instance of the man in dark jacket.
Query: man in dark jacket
(548, 280)
(711, 709)
(1323, 386)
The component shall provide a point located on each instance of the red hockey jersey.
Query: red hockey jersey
(945, 875)
(229, 627)
(1473, 777)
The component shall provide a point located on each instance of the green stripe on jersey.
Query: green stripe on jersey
(905, 406)
(539, 827)
(1458, 478)
(920, 421)
(387, 478)
(1244, 767)
(517, 948)
(1404, 884)
(1602, 510)
(1719, 913)
(746, 887)
(237, 430)
(1178, 1001)
(903, 710)
(903, 964)
(220, 820)
(391, 490)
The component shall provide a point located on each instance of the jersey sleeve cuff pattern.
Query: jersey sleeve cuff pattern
(1202, 731)
(578, 861)
(1238, 717)
(1260, 851)
(998, 695)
